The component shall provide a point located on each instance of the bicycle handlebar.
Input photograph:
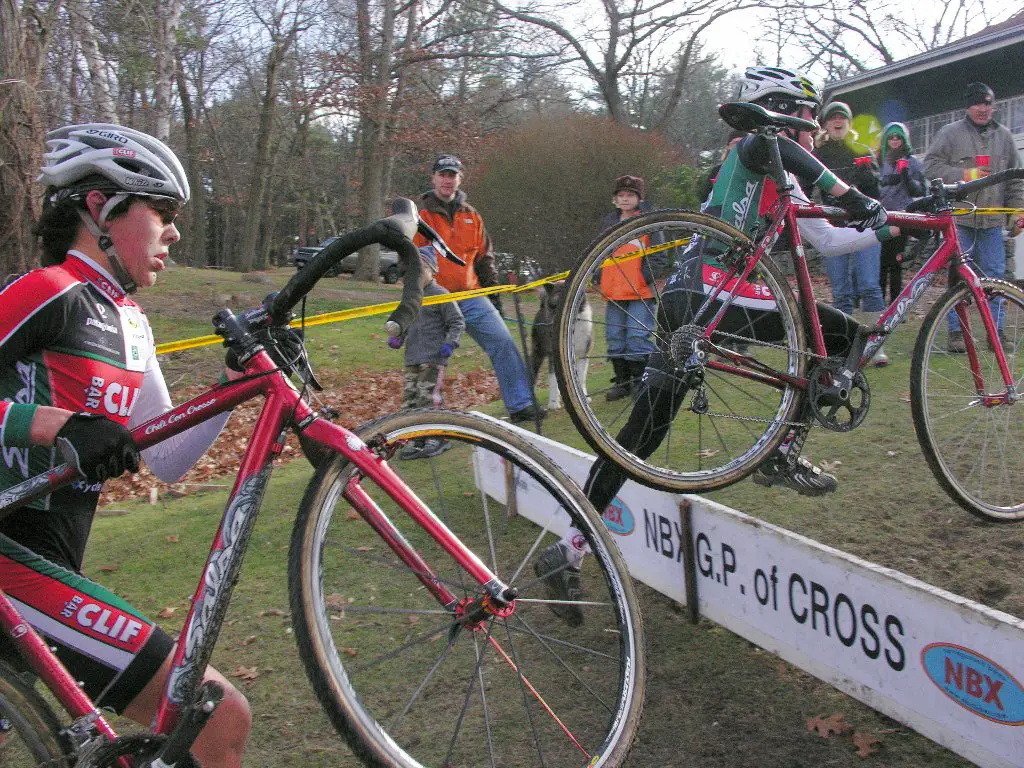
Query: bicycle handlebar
(395, 232)
(942, 192)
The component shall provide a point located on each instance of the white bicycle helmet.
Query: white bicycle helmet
(758, 83)
(133, 162)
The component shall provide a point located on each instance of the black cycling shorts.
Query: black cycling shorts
(112, 649)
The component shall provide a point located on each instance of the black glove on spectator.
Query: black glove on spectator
(283, 344)
(496, 301)
(100, 449)
(863, 209)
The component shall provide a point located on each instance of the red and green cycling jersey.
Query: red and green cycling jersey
(70, 338)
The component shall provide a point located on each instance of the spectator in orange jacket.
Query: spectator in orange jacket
(445, 208)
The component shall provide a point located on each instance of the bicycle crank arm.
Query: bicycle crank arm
(190, 724)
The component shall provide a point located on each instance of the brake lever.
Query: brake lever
(438, 242)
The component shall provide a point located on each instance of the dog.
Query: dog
(543, 339)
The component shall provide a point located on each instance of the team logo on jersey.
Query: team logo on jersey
(116, 398)
(106, 327)
(135, 352)
(17, 458)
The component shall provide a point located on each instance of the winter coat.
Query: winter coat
(899, 187)
(953, 150)
(466, 236)
(437, 324)
(841, 157)
(634, 278)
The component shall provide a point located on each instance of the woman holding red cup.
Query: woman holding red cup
(902, 180)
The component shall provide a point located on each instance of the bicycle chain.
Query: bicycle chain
(784, 348)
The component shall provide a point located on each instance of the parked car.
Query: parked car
(389, 270)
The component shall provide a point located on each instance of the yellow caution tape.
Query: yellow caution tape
(380, 309)
(987, 211)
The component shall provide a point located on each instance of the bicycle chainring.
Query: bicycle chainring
(839, 403)
(142, 748)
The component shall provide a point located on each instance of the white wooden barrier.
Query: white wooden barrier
(944, 665)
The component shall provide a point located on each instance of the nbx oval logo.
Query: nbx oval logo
(617, 518)
(974, 682)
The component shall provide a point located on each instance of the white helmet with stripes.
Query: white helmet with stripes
(766, 85)
(127, 162)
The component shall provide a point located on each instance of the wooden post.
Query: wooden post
(689, 561)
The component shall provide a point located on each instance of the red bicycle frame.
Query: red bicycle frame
(283, 407)
(947, 257)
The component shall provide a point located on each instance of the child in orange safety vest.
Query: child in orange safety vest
(628, 288)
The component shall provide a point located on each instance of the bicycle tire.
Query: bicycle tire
(594, 679)
(973, 451)
(745, 420)
(31, 733)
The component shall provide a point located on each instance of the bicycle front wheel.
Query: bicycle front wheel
(970, 434)
(402, 679)
(29, 731)
(715, 423)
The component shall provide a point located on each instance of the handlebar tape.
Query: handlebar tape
(965, 188)
(393, 232)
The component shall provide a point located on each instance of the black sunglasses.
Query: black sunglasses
(166, 208)
(789, 106)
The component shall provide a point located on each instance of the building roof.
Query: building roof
(994, 55)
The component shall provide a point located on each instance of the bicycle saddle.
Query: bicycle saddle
(744, 116)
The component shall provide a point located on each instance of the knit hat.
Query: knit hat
(429, 257)
(978, 93)
(895, 129)
(447, 163)
(834, 107)
(631, 183)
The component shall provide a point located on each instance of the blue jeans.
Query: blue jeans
(865, 265)
(628, 329)
(488, 330)
(987, 254)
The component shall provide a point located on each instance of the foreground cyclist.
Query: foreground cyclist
(741, 192)
(78, 368)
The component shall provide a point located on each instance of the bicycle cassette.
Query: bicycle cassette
(838, 401)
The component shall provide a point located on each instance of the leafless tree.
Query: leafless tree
(631, 41)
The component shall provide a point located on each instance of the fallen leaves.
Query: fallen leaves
(836, 725)
(167, 612)
(246, 673)
(865, 743)
(826, 727)
(360, 395)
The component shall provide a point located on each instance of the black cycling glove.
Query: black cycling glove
(100, 449)
(283, 344)
(865, 210)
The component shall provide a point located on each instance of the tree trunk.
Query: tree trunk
(261, 158)
(168, 12)
(99, 80)
(24, 39)
(194, 249)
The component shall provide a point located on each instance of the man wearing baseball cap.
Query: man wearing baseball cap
(445, 208)
(969, 149)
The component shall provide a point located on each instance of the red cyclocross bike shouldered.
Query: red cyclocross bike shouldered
(425, 632)
(750, 362)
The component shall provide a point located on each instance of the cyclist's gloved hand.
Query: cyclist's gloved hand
(283, 344)
(865, 210)
(446, 350)
(100, 449)
(496, 301)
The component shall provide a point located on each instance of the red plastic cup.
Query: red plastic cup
(901, 164)
(982, 161)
